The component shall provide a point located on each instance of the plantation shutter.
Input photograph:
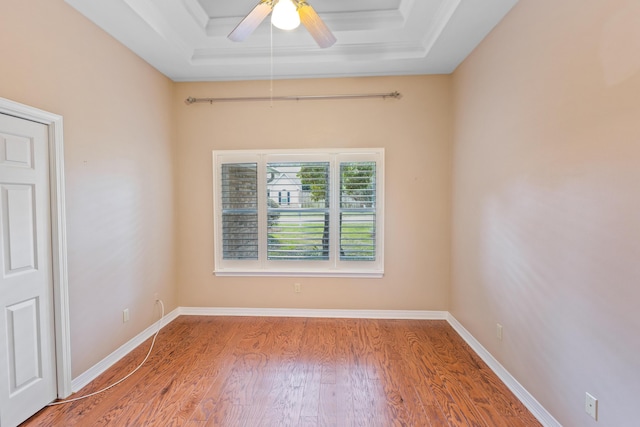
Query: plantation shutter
(358, 211)
(298, 220)
(239, 211)
(299, 213)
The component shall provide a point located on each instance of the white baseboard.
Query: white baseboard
(302, 312)
(545, 418)
(92, 373)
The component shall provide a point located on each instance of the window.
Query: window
(299, 213)
(284, 197)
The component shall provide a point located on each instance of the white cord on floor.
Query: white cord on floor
(128, 375)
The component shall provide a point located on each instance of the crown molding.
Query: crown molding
(383, 37)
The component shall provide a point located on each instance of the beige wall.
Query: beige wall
(118, 154)
(546, 203)
(416, 133)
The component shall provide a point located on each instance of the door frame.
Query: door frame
(58, 236)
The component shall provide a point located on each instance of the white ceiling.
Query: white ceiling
(187, 39)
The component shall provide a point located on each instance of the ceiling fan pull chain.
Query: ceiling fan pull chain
(271, 75)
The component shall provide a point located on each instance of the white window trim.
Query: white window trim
(265, 268)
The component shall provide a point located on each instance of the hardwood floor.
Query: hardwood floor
(248, 371)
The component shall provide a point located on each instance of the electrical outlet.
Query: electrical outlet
(296, 288)
(591, 406)
(499, 331)
(156, 296)
(125, 315)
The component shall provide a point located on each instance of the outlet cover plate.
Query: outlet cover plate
(591, 406)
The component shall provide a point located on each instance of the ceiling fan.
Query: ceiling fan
(307, 15)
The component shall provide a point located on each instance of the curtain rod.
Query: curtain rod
(192, 100)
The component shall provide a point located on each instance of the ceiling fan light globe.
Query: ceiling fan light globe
(285, 15)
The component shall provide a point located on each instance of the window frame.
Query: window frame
(334, 267)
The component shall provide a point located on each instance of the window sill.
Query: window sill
(306, 273)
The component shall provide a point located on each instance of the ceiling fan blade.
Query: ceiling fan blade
(319, 31)
(251, 21)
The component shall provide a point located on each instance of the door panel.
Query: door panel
(23, 327)
(27, 356)
(18, 225)
(16, 150)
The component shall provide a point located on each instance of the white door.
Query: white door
(27, 354)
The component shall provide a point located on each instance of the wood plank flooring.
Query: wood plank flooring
(258, 371)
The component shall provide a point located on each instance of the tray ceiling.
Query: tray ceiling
(187, 39)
